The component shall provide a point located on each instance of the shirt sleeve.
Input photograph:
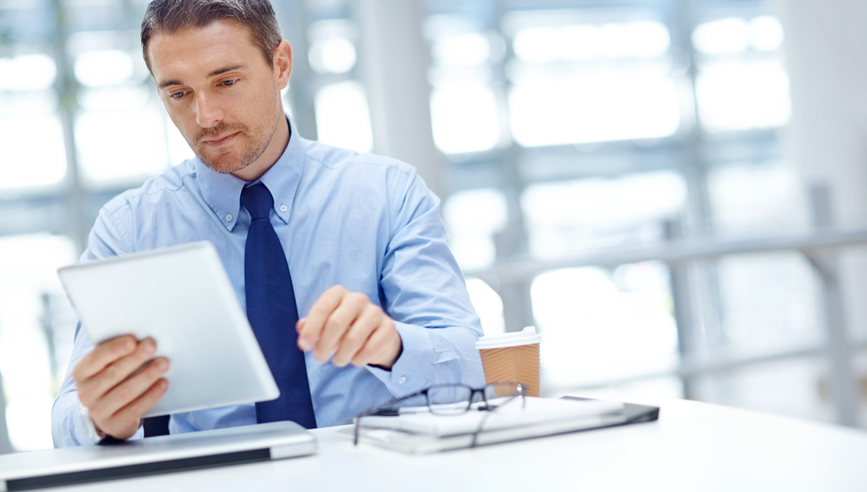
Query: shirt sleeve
(67, 427)
(425, 294)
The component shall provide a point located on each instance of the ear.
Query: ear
(282, 64)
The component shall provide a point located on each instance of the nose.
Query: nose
(208, 112)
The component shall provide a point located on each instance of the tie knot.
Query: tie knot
(257, 200)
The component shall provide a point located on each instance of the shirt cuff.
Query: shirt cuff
(409, 373)
(92, 433)
(96, 436)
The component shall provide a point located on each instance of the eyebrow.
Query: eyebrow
(216, 72)
(226, 69)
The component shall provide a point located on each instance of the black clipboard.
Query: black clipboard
(631, 414)
(411, 442)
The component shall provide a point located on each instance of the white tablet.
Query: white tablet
(182, 298)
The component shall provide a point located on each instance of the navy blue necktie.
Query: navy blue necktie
(272, 312)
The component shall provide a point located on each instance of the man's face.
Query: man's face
(219, 91)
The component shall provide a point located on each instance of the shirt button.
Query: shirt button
(229, 217)
(283, 208)
(401, 380)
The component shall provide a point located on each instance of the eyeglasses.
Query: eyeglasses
(450, 399)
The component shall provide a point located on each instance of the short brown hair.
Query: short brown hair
(168, 16)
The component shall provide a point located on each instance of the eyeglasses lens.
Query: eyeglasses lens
(449, 399)
(500, 390)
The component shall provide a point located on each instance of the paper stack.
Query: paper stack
(417, 431)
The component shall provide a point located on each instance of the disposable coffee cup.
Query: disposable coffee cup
(512, 357)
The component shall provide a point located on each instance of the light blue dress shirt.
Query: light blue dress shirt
(366, 222)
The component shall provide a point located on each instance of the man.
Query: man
(353, 244)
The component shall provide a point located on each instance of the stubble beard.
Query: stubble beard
(260, 138)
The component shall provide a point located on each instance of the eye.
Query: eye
(177, 95)
(229, 82)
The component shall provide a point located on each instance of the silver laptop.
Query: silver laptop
(68, 466)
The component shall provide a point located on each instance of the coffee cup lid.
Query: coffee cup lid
(527, 336)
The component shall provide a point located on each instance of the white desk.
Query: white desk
(693, 447)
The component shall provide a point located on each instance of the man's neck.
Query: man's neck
(272, 153)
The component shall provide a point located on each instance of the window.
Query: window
(742, 83)
(33, 309)
(343, 118)
(566, 216)
(582, 82)
(598, 325)
(473, 217)
(465, 109)
(34, 155)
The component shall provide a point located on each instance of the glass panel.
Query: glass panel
(332, 46)
(27, 72)
(179, 149)
(465, 111)
(465, 119)
(33, 152)
(104, 67)
(766, 33)
(742, 83)
(566, 216)
(597, 325)
(488, 305)
(767, 297)
(27, 103)
(343, 117)
(757, 199)
(28, 270)
(120, 146)
(646, 39)
(741, 95)
(463, 50)
(336, 55)
(736, 35)
(600, 103)
(287, 101)
(114, 98)
(578, 82)
(472, 218)
(731, 35)
(106, 58)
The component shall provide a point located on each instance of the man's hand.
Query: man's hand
(115, 403)
(352, 327)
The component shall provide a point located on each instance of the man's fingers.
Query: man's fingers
(133, 388)
(319, 313)
(343, 322)
(138, 407)
(124, 423)
(357, 335)
(116, 372)
(104, 354)
(378, 346)
(338, 323)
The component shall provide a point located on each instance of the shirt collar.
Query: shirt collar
(222, 192)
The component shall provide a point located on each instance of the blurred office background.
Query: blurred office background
(658, 185)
